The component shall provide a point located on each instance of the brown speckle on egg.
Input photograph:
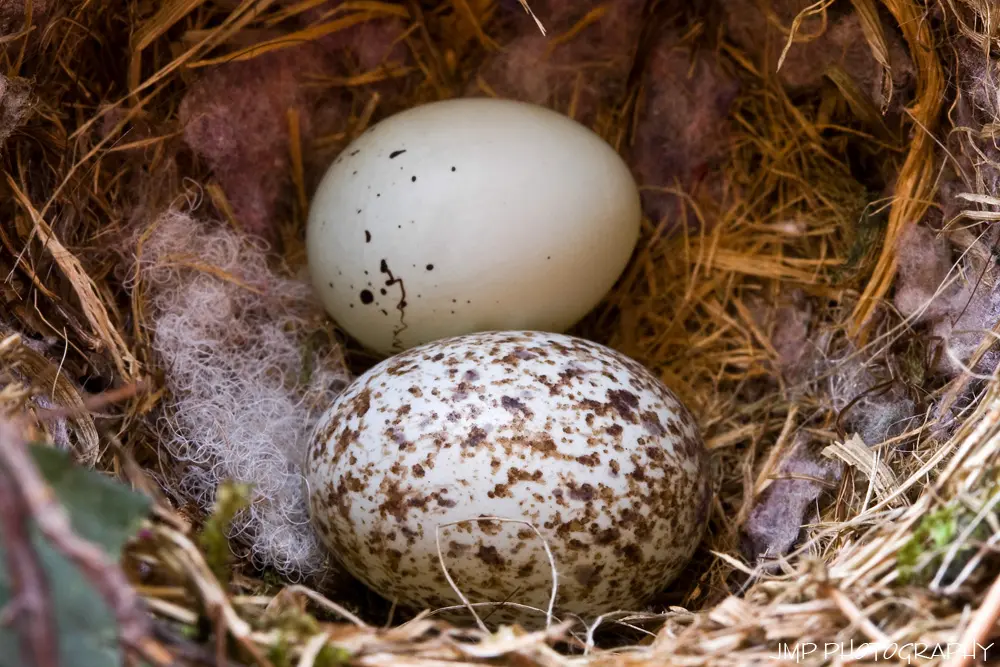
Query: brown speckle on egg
(569, 436)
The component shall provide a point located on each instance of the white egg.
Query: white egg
(470, 215)
(566, 436)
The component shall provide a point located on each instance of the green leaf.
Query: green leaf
(102, 511)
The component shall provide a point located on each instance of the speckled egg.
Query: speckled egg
(469, 215)
(563, 435)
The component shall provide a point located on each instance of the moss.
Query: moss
(865, 240)
(934, 532)
(280, 654)
(913, 363)
(230, 499)
(934, 535)
(330, 656)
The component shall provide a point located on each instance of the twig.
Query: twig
(29, 607)
(527, 8)
(856, 616)
(312, 648)
(213, 597)
(465, 601)
(325, 602)
(53, 522)
(95, 402)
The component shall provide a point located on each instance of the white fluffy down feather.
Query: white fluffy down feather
(236, 341)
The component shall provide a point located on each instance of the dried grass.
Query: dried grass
(901, 552)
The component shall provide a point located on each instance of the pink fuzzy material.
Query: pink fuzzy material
(816, 362)
(924, 262)
(15, 103)
(370, 45)
(790, 336)
(972, 308)
(977, 105)
(967, 314)
(14, 12)
(843, 43)
(235, 117)
(958, 307)
(577, 76)
(776, 520)
(682, 131)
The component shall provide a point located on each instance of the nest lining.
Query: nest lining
(834, 348)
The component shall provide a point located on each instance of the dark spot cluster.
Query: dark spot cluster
(515, 406)
(625, 402)
(515, 475)
(476, 437)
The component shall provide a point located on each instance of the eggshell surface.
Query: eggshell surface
(469, 215)
(564, 435)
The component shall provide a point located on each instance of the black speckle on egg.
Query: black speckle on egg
(430, 267)
(368, 236)
(353, 153)
(413, 179)
(384, 267)
(330, 284)
(384, 312)
(383, 292)
(453, 169)
(354, 173)
(549, 257)
(393, 155)
(366, 297)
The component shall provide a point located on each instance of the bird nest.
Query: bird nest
(815, 279)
